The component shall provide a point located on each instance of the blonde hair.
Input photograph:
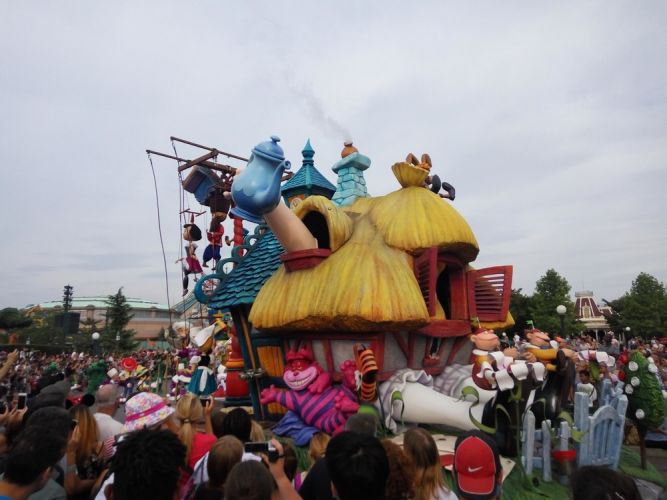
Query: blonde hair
(189, 411)
(423, 452)
(225, 453)
(318, 445)
(88, 432)
(256, 432)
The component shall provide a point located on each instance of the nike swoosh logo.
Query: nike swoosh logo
(471, 469)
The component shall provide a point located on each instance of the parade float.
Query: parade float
(330, 268)
(343, 302)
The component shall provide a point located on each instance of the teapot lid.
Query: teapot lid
(270, 149)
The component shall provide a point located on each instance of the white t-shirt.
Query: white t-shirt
(590, 390)
(107, 426)
(443, 494)
(200, 473)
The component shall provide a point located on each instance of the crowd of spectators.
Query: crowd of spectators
(70, 442)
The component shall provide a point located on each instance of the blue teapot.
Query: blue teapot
(256, 190)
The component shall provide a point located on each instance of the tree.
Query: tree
(645, 402)
(83, 340)
(522, 311)
(11, 318)
(42, 331)
(89, 326)
(643, 308)
(117, 318)
(552, 290)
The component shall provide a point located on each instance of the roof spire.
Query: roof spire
(308, 152)
(307, 181)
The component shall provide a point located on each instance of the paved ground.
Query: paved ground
(651, 491)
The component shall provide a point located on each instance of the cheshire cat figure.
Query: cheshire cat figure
(311, 397)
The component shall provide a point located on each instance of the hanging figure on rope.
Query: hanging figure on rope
(212, 250)
(191, 265)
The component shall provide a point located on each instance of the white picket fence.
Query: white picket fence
(601, 433)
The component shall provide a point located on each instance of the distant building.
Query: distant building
(591, 315)
(149, 318)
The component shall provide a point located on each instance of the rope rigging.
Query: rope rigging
(159, 225)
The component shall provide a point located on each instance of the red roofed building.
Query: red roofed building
(594, 317)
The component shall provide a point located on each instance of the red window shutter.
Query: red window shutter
(489, 292)
(425, 267)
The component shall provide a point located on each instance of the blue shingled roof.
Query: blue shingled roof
(244, 282)
(308, 176)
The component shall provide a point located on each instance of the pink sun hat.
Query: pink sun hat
(145, 410)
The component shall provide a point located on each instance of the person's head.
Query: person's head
(237, 423)
(601, 482)
(191, 232)
(34, 453)
(401, 473)
(256, 431)
(225, 453)
(362, 423)
(477, 468)
(357, 465)
(44, 400)
(189, 411)
(147, 464)
(106, 398)
(217, 420)
(290, 462)
(318, 445)
(58, 420)
(88, 431)
(249, 480)
(420, 446)
(146, 410)
(584, 376)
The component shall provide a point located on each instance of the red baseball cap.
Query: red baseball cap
(476, 463)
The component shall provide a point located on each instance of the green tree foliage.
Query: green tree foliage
(117, 318)
(643, 308)
(645, 403)
(83, 340)
(521, 310)
(89, 326)
(552, 290)
(42, 331)
(11, 318)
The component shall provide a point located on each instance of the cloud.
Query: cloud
(549, 119)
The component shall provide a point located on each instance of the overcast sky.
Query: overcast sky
(549, 118)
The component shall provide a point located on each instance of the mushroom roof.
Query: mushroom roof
(368, 282)
(364, 286)
(413, 218)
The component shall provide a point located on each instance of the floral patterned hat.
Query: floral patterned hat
(145, 410)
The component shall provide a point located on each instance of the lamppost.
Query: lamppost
(561, 310)
(627, 335)
(96, 345)
(117, 340)
(27, 342)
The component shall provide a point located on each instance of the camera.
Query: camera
(263, 447)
